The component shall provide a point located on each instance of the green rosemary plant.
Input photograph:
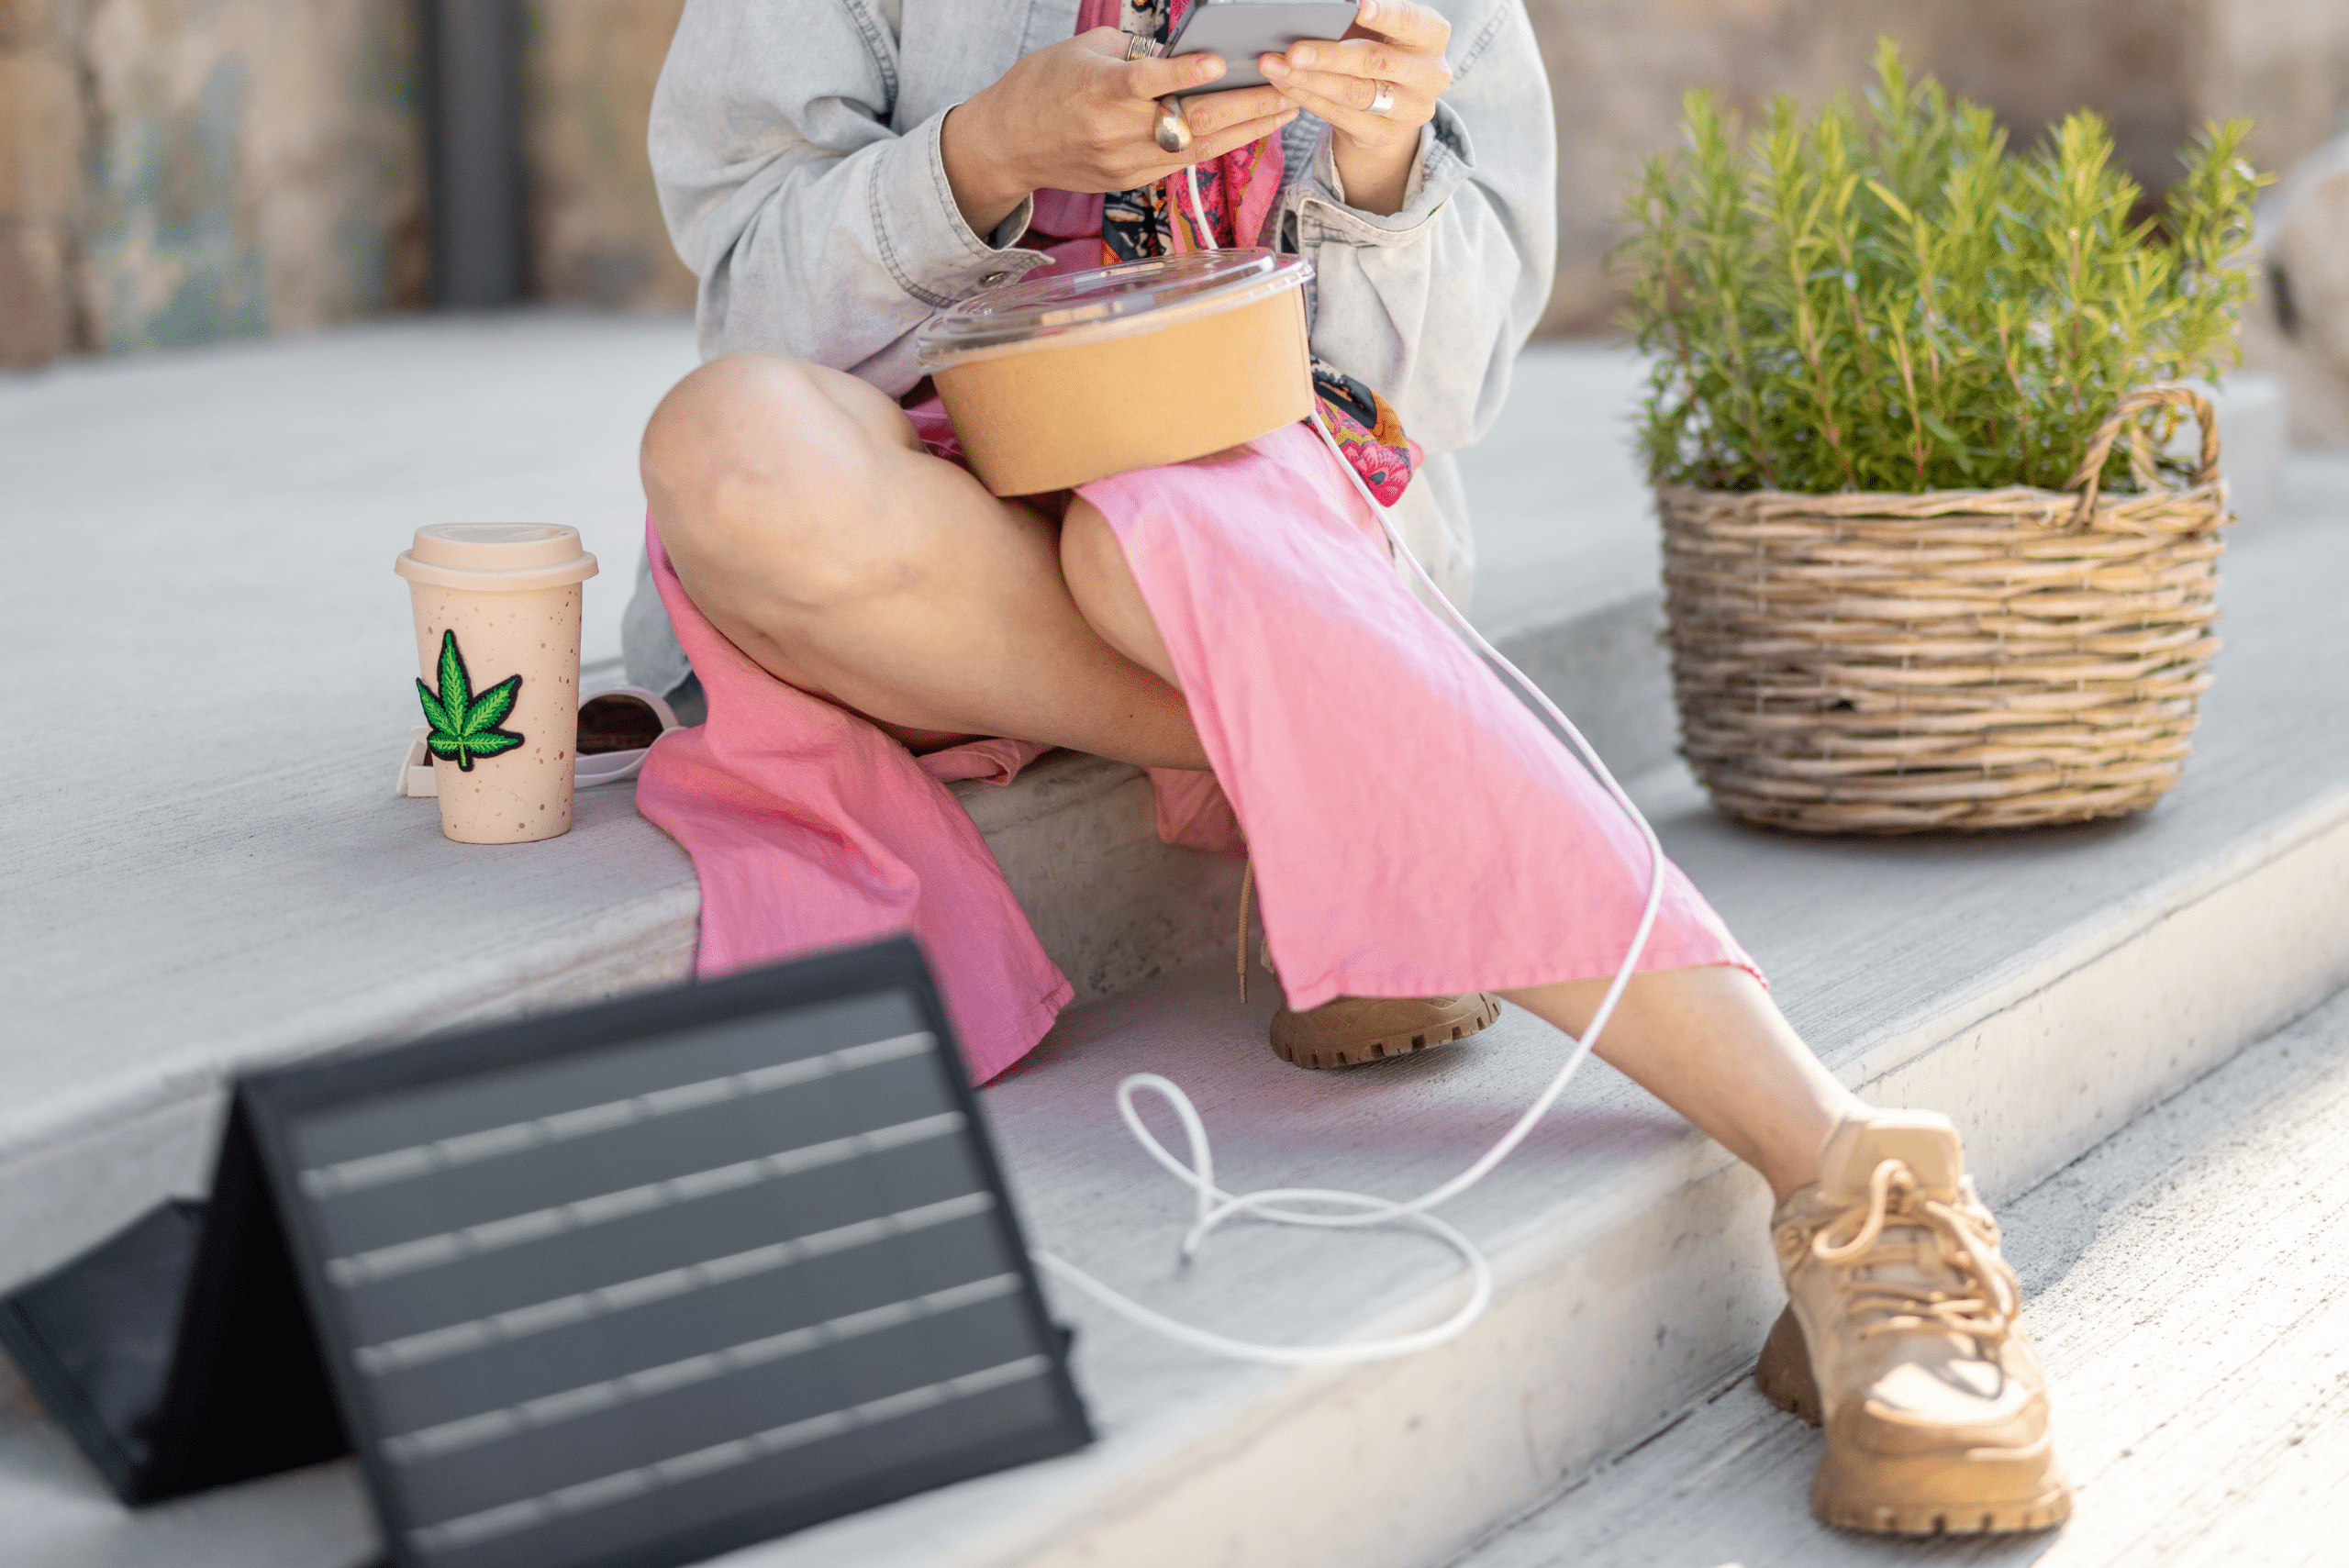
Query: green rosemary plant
(1888, 300)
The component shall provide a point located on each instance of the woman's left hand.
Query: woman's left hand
(1396, 46)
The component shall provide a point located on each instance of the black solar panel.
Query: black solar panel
(636, 1283)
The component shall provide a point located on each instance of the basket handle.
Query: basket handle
(2089, 480)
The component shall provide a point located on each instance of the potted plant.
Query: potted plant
(1931, 562)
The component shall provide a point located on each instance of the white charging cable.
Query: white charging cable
(1215, 1205)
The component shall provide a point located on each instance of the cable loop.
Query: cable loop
(1213, 1205)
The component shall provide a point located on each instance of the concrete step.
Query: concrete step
(2188, 1287)
(192, 898)
(248, 499)
(2045, 989)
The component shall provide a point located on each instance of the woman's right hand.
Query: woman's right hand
(1081, 116)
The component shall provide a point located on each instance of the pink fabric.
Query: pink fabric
(1416, 830)
(810, 830)
(1069, 213)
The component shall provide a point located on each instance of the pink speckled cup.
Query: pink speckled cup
(497, 652)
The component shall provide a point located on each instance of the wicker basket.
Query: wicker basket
(1955, 659)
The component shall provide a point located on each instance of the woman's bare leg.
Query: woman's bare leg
(808, 525)
(805, 521)
(1707, 1041)
(1094, 564)
(1711, 1043)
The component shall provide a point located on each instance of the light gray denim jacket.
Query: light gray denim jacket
(796, 144)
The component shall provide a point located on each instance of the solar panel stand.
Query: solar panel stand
(618, 1288)
(178, 1354)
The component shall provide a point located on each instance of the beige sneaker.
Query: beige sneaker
(1354, 1030)
(1899, 1337)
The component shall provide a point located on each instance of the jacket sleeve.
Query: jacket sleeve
(1430, 305)
(817, 230)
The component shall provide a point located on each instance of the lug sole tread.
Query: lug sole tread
(1387, 1048)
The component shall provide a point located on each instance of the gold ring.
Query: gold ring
(1174, 131)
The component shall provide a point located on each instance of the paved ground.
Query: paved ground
(246, 477)
(2190, 1285)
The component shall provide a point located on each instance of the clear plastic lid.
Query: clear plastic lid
(1106, 302)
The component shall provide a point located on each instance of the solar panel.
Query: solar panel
(636, 1283)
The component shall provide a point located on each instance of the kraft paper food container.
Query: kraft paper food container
(1057, 381)
(497, 652)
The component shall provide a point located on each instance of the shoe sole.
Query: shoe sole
(1880, 1496)
(1355, 1053)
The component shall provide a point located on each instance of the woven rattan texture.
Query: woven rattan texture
(1954, 658)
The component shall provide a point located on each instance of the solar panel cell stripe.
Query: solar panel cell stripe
(494, 1426)
(510, 1518)
(403, 1164)
(513, 1230)
(414, 1349)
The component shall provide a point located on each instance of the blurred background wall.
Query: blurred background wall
(2156, 69)
(182, 171)
(178, 170)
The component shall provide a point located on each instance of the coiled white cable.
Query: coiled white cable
(1215, 1205)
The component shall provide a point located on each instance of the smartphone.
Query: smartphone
(1240, 30)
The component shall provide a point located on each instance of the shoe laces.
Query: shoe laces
(1955, 1242)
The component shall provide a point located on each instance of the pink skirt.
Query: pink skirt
(1416, 830)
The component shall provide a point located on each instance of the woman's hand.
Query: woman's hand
(1397, 42)
(1080, 117)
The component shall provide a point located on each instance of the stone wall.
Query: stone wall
(589, 87)
(41, 156)
(597, 238)
(173, 170)
(2156, 69)
(2298, 324)
(185, 171)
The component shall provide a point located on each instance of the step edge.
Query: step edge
(1073, 780)
(661, 929)
(1537, 1248)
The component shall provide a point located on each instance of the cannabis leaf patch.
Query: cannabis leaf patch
(466, 725)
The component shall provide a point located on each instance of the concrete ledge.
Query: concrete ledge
(1626, 1298)
(176, 885)
(2043, 987)
(1078, 840)
(2186, 1299)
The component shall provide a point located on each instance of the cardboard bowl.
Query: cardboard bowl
(1061, 379)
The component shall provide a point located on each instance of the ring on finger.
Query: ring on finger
(1173, 132)
(1382, 101)
(1139, 46)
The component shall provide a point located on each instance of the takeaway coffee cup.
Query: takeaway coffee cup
(498, 655)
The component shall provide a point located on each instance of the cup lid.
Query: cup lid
(495, 557)
(1106, 302)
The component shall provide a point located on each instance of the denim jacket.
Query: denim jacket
(797, 150)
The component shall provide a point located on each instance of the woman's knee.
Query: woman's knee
(1103, 586)
(760, 465)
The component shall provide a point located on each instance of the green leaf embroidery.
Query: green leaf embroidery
(492, 705)
(434, 714)
(465, 727)
(456, 691)
(491, 744)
